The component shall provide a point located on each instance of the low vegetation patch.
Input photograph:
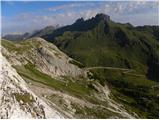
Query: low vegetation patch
(24, 97)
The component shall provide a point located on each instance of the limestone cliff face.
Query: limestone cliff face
(45, 56)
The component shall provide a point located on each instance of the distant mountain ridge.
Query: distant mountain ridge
(79, 25)
(85, 25)
(102, 34)
(36, 33)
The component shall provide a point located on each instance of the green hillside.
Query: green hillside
(101, 42)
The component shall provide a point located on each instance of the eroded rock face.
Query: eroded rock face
(45, 56)
(16, 100)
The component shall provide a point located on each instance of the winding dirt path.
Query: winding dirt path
(110, 68)
(125, 70)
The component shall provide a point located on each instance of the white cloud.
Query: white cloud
(71, 6)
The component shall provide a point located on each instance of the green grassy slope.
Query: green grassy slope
(113, 44)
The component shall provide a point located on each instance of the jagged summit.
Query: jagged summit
(103, 16)
(79, 20)
(98, 17)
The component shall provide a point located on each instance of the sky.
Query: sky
(26, 16)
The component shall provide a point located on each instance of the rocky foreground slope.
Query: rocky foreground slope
(16, 100)
(46, 83)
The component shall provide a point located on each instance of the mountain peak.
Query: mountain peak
(80, 20)
(102, 16)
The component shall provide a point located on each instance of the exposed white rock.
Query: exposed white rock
(45, 56)
(16, 100)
